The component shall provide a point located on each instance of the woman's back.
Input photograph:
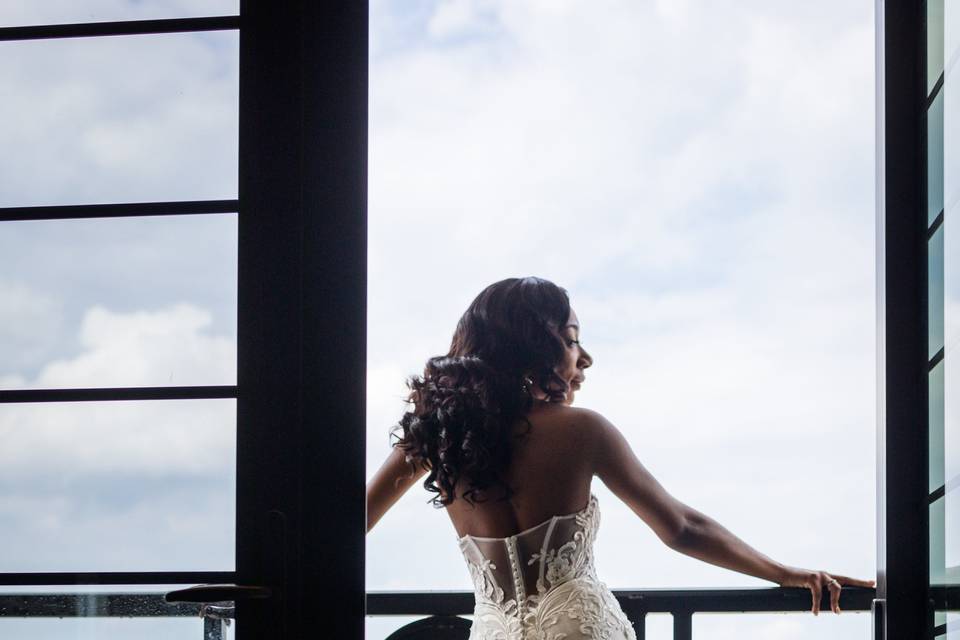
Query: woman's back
(531, 558)
(550, 472)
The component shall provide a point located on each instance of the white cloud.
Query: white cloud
(27, 318)
(145, 348)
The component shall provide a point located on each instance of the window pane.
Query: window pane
(119, 119)
(118, 486)
(938, 560)
(951, 36)
(936, 427)
(934, 41)
(15, 14)
(136, 611)
(935, 292)
(144, 301)
(935, 158)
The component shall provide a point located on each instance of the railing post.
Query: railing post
(682, 625)
(212, 629)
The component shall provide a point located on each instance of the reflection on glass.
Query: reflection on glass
(951, 125)
(938, 561)
(136, 611)
(935, 292)
(951, 36)
(951, 530)
(936, 427)
(17, 14)
(102, 302)
(935, 158)
(119, 119)
(934, 41)
(118, 486)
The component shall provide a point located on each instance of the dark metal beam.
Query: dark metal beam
(119, 28)
(118, 210)
(116, 393)
(116, 577)
(902, 428)
(762, 599)
(301, 508)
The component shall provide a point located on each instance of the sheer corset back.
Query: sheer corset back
(523, 567)
(541, 583)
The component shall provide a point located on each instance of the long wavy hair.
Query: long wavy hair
(465, 404)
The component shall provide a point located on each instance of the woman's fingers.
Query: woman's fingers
(834, 585)
(816, 592)
(855, 582)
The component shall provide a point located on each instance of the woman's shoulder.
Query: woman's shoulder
(586, 426)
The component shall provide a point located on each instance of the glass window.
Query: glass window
(934, 42)
(936, 427)
(142, 301)
(143, 614)
(16, 14)
(118, 486)
(119, 119)
(935, 158)
(951, 36)
(938, 562)
(935, 292)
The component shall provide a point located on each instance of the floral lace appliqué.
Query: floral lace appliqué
(567, 601)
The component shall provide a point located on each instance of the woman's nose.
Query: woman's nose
(585, 359)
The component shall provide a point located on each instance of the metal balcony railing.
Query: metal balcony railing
(443, 608)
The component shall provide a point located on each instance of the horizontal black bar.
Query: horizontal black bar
(119, 210)
(935, 225)
(935, 90)
(935, 360)
(120, 28)
(638, 602)
(117, 577)
(945, 597)
(936, 494)
(86, 605)
(117, 393)
(772, 599)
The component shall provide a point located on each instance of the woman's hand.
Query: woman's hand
(816, 581)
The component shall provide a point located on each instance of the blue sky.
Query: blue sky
(698, 175)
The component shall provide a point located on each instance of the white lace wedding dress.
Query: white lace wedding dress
(541, 583)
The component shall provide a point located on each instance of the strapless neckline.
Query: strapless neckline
(590, 502)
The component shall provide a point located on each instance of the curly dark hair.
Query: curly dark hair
(466, 402)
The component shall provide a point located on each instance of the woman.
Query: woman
(493, 429)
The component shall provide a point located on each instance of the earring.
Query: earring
(527, 383)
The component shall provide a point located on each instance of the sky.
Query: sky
(698, 176)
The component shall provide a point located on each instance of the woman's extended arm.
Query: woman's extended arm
(687, 530)
(389, 483)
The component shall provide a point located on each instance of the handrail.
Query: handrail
(636, 603)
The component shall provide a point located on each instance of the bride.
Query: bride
(492, 428)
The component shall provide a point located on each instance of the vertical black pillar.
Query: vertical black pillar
(902, 528)
(302, 317)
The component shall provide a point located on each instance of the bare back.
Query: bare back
(551, 473)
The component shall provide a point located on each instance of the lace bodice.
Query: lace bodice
(541, 583)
